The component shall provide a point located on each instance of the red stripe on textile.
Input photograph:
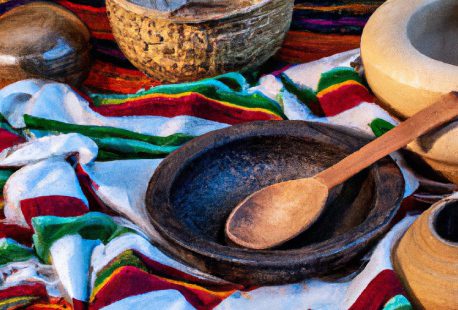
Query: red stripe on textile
(79, 305)
(410, 204)
(344, 98)
(281, 70)
(131, 281)
(380, 290)
(82, 7)
(63, 206)
(95, 18)
(169, 272)
(18, 233)
(108, 77)
(35, 289)
(102, 35)
(8, 139)
(193, 104)
(89, 188)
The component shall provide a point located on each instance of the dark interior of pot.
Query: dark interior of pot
(433, 31)
(446, 222)
(207, 189)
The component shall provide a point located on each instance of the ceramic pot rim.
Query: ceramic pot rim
(156, 14)
(442, 77)
(376, 225)
(432, 219)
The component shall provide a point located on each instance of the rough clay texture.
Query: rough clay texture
(174, 51)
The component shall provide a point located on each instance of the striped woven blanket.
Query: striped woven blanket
(74, 167)
(74, 172)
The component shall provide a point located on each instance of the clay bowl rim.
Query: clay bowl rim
(266, 258)
(168, 16)
(435, 210)
(401, 45)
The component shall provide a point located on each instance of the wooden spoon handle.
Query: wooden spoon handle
(442, 112)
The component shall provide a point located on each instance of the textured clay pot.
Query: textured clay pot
(199, 42)
(426, 258)
(43, 40)
(194, 190)
(409, 50)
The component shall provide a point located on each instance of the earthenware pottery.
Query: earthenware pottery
(197, 40)
(409, 50)
(43, 40)
(289, 208)
(194, 190)
(426, 258)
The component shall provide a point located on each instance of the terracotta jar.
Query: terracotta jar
(426, 258)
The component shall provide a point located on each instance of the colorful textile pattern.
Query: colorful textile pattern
(74, 227)
(322, 28)
(147, 124)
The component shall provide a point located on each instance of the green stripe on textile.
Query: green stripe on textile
(398, 302)
(33, 122)
(336, 76)
(119, 148)
(132, 148)
(234, 80)
(380, 126)
(253, 100)
(90, 226)
(127, 258)
(11, 251)
(303, 93)
(4, 175)
(121, 230)
(204, 87)
(210, 88)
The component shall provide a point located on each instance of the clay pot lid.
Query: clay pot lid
(180, 16)
(223, 167)
(399, 41)
(38, 27)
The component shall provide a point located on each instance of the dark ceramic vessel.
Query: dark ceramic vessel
(194, 189)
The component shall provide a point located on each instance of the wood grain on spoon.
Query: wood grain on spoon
(278, 213)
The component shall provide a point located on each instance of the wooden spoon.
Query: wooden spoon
(279, 212)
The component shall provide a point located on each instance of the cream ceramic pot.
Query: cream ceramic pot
(409, 50)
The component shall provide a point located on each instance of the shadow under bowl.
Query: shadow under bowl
(193, 191)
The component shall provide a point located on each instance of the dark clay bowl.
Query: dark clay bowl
(194, 189)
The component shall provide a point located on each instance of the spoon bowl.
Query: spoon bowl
(269, 217)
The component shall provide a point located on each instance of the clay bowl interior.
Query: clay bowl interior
(193, 191)
(433, 31)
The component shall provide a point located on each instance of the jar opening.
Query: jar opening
(446, 222)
